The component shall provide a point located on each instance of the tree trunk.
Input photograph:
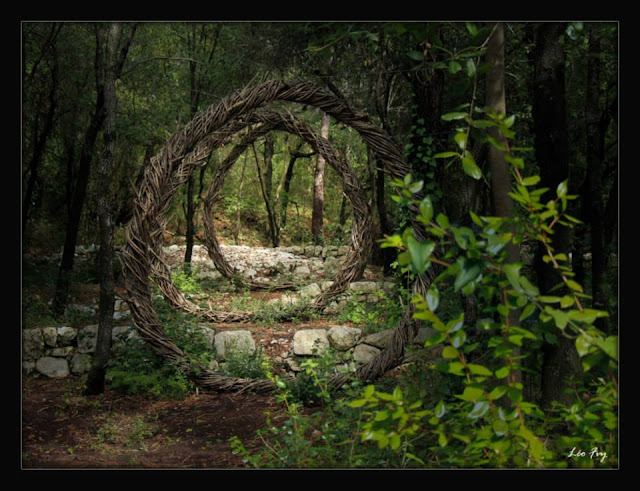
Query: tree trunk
(106, 71)
(317, 214)
(284, 189)
(61, 294)
(561, 361)
(266, 176)
(40, 144)
(594, 179)
(500, 174)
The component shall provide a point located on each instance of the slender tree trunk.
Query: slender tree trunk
(500, 174)
(40, 144)
(79, 194)
(105, 67)
(317, 216)
(284, 190)
(561, 361)
(237, 229)
(595, 170)
(265, 177)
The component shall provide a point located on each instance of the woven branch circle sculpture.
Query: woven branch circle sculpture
(187, 150)
(361, 236)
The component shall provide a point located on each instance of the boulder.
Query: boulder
(32, 344)
(302, 271)
(60, 352)
(364, 286)
(122, 334)
(424, 333)
(306, 340)
(342, 338)
(379, 339)
(50, 336)
(342, 250)
(310, 291)
(363, 353)
(28, 367)
(205, 331)
(80, 363)
(53, 367)
(87, 339)
(233, 341)
(66, 336)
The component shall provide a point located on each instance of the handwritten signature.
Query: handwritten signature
(593, 454)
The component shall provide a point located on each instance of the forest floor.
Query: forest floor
(61, 428)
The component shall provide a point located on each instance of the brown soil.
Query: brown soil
(61, 428)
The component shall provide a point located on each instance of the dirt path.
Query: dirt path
(62, 429)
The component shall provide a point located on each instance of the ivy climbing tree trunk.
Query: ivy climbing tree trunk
(317, 217)
(106, 74)
(561, 361)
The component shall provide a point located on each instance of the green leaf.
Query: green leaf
(449, 352)
(470, 167)
(455, 324)
(458, 339)
(442, 221)
(527, 311)
(471, 68)
(453, 116)
(608, 345)
(433, 298)
(497, 392)
(531, 180)
(479, 369)
(503, 372)
(461, 140)
(426, 211)
(512, 272)
(440, 409)
(496, 143)
(415, 55)
(515, 161)
(420, 253)
(454, 67)
(445, 155)
(574, 286)
(470, 269)
(472, 393)
(479, 410)
(473, 30)
(562, 189)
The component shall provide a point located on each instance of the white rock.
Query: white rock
(304, 341)
(28, 367)
(364, 286)
(379, 339)
(53, 367)
(310, 291)
(343, 337)
(423, 334)
(50, 336)
(32, 344)
(66, 335)
(87, 339)
(80, 363)
(302, 270)
(363, 353)
(60, 352)
(233, 341)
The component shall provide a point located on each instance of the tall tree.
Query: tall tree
(597, 120)
(106, 66)
(317, 216)
(500, 175)
(41, 136)
(561, 361)
(80, 191)
(197, 39)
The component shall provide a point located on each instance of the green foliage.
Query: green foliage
(489, 423)
(375, 316)
(242, 364)
(137, 370)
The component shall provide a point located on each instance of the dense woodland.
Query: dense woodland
(510, 130)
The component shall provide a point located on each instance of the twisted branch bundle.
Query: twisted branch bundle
(187, 150)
